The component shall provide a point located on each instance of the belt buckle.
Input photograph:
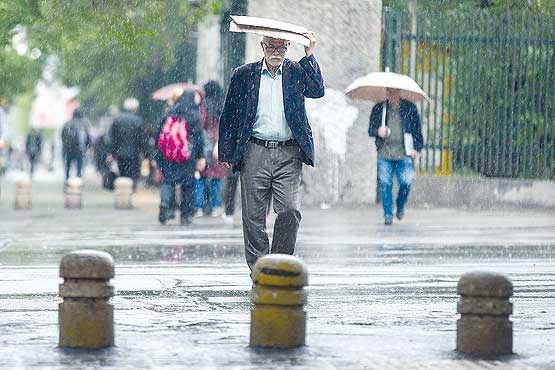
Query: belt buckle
(272, 144)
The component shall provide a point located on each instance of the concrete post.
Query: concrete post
(73, 190)
(23, 194)
(278, 319)
(484, 328)
(86, 317)
(123, 190)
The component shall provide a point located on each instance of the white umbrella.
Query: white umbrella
(373, 87)
(269, 27)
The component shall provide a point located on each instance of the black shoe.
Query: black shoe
(400, 213)
(165, 215)
(388, 221)
(186, 221)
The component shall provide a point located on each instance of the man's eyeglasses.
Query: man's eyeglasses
(271, 49)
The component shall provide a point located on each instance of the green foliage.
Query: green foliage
(14, 12)
(19, 73)
(112, 49)
(21, 110)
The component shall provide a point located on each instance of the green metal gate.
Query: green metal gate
(491, 82)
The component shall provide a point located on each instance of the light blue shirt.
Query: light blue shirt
(270, 123)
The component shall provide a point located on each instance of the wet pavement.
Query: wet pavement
(379, 297)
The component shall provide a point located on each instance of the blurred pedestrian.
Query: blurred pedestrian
(75, 142)
(3, 120)
(4, 142)
(395, 155)
(33, 147)
(127, 141)
(102, 163)
(209, 185)
(264, 133)
(181, 152)
(156, 177)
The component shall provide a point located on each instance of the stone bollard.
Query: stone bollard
(23, 194)
(86, 316)
(484, 328)
(123, 190)
(73, 190)
(278, 319)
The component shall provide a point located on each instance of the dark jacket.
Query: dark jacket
(186, 109)
(410, 120)
(100, 154)
(301, 80)
(127, 136)
(33, 144)
(76, 138)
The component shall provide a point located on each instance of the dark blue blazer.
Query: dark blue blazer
(410, 120)
(300, 80)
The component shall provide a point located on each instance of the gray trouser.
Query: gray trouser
(265, 173)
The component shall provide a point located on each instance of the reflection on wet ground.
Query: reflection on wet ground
(380, 298)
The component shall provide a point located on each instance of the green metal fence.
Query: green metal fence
(491, 82)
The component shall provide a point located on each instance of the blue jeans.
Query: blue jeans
(198, 192)
(404, 169)
(208, 188)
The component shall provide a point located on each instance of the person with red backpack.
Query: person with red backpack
(180, 153)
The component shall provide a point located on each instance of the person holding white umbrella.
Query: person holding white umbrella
(399, 142)
(395, 123)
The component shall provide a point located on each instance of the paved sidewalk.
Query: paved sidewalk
(379, 297)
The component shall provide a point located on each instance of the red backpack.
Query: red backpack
(174, 140)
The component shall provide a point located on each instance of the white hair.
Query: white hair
(269, 38)
(131, 104)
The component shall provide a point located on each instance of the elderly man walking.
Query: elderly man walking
(264, 134)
